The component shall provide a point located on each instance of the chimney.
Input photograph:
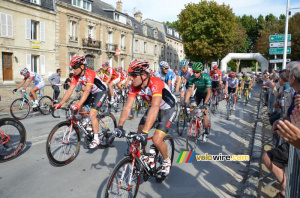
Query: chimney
(138, 16)
(119, 6)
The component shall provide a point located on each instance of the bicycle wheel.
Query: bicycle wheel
(118, 183)
(12, 138)
(159, 158)
(181, 123)
(45, 103)
(19, 109)
(191, 137)
(60, 151)
(107, 124)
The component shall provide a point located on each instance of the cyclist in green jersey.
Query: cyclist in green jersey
(200, 88)
(247, 83)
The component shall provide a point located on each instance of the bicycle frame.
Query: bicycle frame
(4, 138)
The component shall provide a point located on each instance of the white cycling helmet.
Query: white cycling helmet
(247, 75)
(240, 74)
(24, 71)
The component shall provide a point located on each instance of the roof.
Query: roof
(47, 4)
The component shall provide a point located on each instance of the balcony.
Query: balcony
(111, 47)
(86, 42)
(73, 38)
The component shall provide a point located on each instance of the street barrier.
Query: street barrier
(293, 174)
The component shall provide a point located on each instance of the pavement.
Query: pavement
(32, 175)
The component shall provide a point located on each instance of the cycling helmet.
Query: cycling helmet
(120, 69)
(247, 75)
(215, 67)
(232, 74)
(137, 67)
(184, 62)
(77, 61)
(240, 75)
(24, 71)
(105, 64)
(163, 64)
(198, 66)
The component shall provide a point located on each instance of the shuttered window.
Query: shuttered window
(6, 21)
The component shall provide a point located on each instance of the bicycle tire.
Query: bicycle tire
(191, 140)
(106, 128)
(14, 104)
(52, 153)
(45, 106)
(12, 149)
(181, 123)
(114, 175)
(159, 159)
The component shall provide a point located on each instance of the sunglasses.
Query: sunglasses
(196, 72)
(166, 68)
(133, 75)
(75, 67)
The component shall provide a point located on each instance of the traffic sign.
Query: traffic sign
(279, 37)
(280, 44)
(279, 50)
(279, 61)
(229, 69)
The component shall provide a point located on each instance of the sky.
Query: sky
(167, 10)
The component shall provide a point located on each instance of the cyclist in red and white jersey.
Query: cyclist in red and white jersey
(124, 80)
(38, 84)
(216, 78)
(162, 106)
(93, 95)
(113, 79)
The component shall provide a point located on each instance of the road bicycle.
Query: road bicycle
(229, 106)
(195, 126)
(63, 142)
(12, 138)
(124, 180)
(215, 101)
(20, 108)
(182, 120)
(247, 97)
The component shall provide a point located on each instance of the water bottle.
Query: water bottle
(152, 152)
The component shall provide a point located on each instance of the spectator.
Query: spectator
(54, 79)
(68, 82)
(277, 159)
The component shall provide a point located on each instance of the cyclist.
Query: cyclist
(165, 74)
(124, 80)
(184, 74)
(247, 83)
(162, 106)
(216, 78)
(113, 78)
(94, 92)
(38, 84)
(240, 78)
(232, 85)
(200, 85)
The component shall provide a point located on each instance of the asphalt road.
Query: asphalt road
(32, 175)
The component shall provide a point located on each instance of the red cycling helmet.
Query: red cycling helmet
(105, 64)
(137, 67)
(120, 69)
(232, 74)
(77, 61)
(215, 67)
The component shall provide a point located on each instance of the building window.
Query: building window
(73, 27)
(110, 60)
(110, 38)
(145, 30)
(36, 2)
(34, 63)
(123, 42)
(6, 24)
(34, 30)
(90, 61)
(122, 63)
(90, 31)
(83, 4)
(169, 31)
(155, 50)
(117, 17)
(155, 34)
(145, 47)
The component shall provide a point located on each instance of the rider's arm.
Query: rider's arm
(21, 83)
(109, 77)
(178, 78)
(28, 83)
(126, 111)
(170, 84)
(189, 93)
(208, 89)
(220, 78)
(236, 87)
(226, 87)
(153, 112)
(68, 93)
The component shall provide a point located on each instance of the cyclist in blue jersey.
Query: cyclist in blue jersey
(165, 74)
(38, 84)
(184, 75)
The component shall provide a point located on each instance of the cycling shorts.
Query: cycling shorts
(95, 100)
(198, 97)
(39, 85)
(246, 86)
(165, 118)
(231, 90)
(215, 84)
(185, 87)
(115, 81)
(123, 81)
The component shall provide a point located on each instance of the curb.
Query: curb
(251, 184)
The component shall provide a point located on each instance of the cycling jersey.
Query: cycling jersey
(90, 77)
(201, 84)
(111, 71)
(186, 75)
(124, 75)
(232, 84)
(156, 87)
(36, 78)
(247, 80)
(215, 76)
(240, 81)
(225, 76)
(164, 77)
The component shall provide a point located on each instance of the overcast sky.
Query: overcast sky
(167, 10)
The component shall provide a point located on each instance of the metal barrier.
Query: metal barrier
(293, 174)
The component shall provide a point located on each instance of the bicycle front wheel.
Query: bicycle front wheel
(19, 109)
(45, 104)
(192, 136)
(119, 184)
(63, 144)
(181, 123)
(107, 124)
(12, 138)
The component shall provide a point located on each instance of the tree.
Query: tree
(294, 29)
(207, 29)
(173, 24)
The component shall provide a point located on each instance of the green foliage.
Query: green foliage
(294, 29)
(172, 24)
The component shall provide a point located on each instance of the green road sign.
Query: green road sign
(279, 50)
(229, 69)
(279, 37)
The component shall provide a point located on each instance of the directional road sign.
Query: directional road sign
(279, 61)
(279, 37)
(280, 44)
(279, 50)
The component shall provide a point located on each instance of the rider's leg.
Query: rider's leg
(111, 91)
(159, 143)
(34, 96)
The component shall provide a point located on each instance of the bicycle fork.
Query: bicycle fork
(128, 188)
(69, 129)
(4, 138)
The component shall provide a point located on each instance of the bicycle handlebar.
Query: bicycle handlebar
(52, 109)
